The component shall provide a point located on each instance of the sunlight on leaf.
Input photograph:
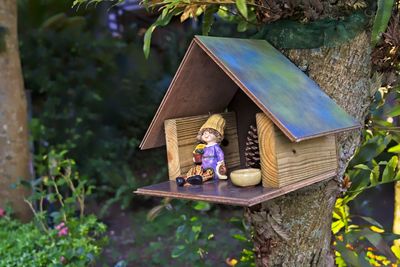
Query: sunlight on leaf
(394, 149)
(396, 251)
(242, 7)
(377, 229)
(389, 172)
(381, 21)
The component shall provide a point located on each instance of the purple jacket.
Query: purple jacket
(212, 155)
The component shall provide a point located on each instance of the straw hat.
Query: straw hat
(216, 122)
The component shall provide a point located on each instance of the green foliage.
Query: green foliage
(162, 20)
(373, 165)
(94, 2)
(374, 158)
(35, 14)
(58, 236)
(233, 11)
(242, 232)
(353, 242)
(208, 18)
(288, 33)
(242, 7)
(381, 21)
(59, 185)
(181, 233)
(326, 32)
(93, 96)
(26, 245)
(192, 240)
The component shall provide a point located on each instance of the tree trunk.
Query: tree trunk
(295, 229)
(14, 152)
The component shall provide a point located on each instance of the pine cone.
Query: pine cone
(252, 152)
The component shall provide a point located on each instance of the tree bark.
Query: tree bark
(14, 150)
(295, 229)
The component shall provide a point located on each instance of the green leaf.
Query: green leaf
(336, 216)
(147, 40)
(362, 260)
(394, 112)
(240, 237)
(350, 257)
(223, 13)
(362, 167)
(394, 149)
(389, 172)
(178, 251)
(196, 228)
(374, 176)
(208, 18)
(162, 20)
(371, 221)
(180, 230)
(202, 206)
(370, 149)
(397, 177)
(242, 7)
(242, 26)
(396, 251)
(358, 181)
(337, 226)
(381, 21)
(377, 241)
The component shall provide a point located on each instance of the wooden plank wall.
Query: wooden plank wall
(181, 140)
(284, 162)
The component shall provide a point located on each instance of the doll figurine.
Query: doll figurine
(208, 156)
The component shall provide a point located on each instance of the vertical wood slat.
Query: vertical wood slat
(172, 148)
(266, 142)
(284, 162)
(181, 140)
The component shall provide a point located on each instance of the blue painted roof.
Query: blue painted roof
(292, 100)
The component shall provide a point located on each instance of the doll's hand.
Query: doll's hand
(222, 169)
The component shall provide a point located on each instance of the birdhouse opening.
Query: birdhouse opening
(245, 110)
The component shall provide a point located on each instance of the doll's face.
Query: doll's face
(208, 137)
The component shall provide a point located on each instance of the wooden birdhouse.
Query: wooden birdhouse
(248, 82)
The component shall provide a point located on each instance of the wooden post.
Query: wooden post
(14, 149)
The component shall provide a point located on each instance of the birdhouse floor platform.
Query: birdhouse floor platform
(224, 192)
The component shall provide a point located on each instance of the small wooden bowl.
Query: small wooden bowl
(246, 177)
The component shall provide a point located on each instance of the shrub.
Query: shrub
(28, 245)
(61, 233)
